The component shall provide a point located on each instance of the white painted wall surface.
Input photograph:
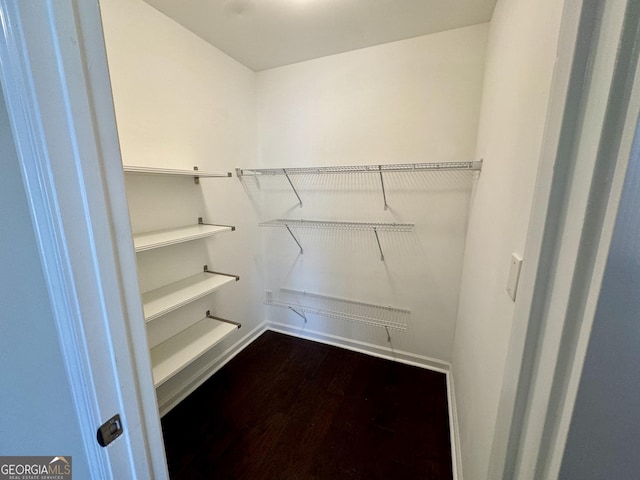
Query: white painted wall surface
(180, 102)
(521, 55)
(34, 384)
(416, 100)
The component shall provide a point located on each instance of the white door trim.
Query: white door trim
(55, 80)
(588, 137)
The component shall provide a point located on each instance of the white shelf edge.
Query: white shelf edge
(172, 171)
(179, 351)
(171, 236)
(168, 298)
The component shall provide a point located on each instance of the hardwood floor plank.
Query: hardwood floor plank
(288, 408)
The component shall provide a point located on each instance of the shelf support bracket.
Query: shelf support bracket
(223, 319)
(206, 270)
(201, 222)
(304, 317)
(294, 238)
(292, 187)
(375, 231)
(384, 193)
(196, 178)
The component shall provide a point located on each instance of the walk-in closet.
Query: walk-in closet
(370, 199)
(374, 199)
(320, 238)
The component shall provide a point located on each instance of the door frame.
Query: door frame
(591, 122)
(54, 75)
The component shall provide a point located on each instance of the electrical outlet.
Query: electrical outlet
(268, 295)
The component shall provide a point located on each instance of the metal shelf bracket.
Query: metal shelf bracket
(294, 238)
(384, 193)
(300, 314)
(206, 270)
(375, 230)
(292, 187)
(202, 222)
(208, 314)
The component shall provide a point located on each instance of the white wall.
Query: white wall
(415, 100)
(36, 400)
(520, 60)
(180, 102)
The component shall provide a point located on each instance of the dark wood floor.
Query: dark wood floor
(287, 408)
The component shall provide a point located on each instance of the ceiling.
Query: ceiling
(263, 34)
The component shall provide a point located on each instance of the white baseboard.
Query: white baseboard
(454, 429)
(362, 347)
(212, 367)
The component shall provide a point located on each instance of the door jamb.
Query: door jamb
(594, 102)
(55, 80)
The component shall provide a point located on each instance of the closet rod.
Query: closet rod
(395, 167)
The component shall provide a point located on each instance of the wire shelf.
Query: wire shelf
(394, 167)
(330, 225)
(319, 224)
(341, 309)
(378, 169)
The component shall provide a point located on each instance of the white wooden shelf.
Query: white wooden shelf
(175, 295)
(173, 171)
(173, 355)
(181, 349)
(171, 236)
